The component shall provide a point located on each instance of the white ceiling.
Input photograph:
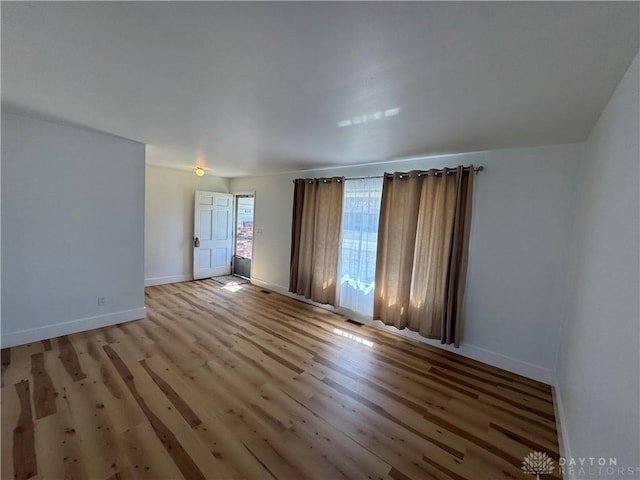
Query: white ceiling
(251, 88)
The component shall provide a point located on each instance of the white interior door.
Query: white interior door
(213, 234)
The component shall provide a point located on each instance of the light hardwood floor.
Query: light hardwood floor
(247, 384)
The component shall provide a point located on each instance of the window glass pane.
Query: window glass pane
(361, 211)
(244, 226)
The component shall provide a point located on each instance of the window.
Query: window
(244, 226)
(360, 214)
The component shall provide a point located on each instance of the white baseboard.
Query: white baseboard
(150, 282)
(74, 326)
(514, 365)
(561, 428)
(285, 291)
(495, 359)
(272, 286)
(474, 352)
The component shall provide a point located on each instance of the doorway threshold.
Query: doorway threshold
(229, 280)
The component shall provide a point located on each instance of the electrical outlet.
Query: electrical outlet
(102, 301)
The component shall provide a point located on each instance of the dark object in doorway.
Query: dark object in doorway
(348, 320)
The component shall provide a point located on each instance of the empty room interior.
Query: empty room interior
(320, 240)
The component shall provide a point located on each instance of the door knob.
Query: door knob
(196, 242)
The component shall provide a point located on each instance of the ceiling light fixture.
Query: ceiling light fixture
(199, 171)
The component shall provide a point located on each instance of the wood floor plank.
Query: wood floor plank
(382, 437)
(69, 358)
(243, 383)
(6, 361)
(9, 415)
(58, 447)
(305, 458)
(24, 453)
(175, 448)
(146, 456)
(352, 457)
(94, 429)
(212, 432)
(19, 367)
(44, 393)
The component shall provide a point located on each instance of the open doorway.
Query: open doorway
(243, 253)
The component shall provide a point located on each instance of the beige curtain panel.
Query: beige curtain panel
(315, 238)
(423, 240)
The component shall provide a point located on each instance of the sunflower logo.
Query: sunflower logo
(537, 463)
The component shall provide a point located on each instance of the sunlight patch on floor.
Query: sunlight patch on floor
(353, 337)
(232, 288)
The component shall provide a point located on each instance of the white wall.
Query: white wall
(168, 254)
(72, 223)
(519, 245)
(599, 362)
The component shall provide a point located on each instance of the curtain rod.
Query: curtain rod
(477, 169)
